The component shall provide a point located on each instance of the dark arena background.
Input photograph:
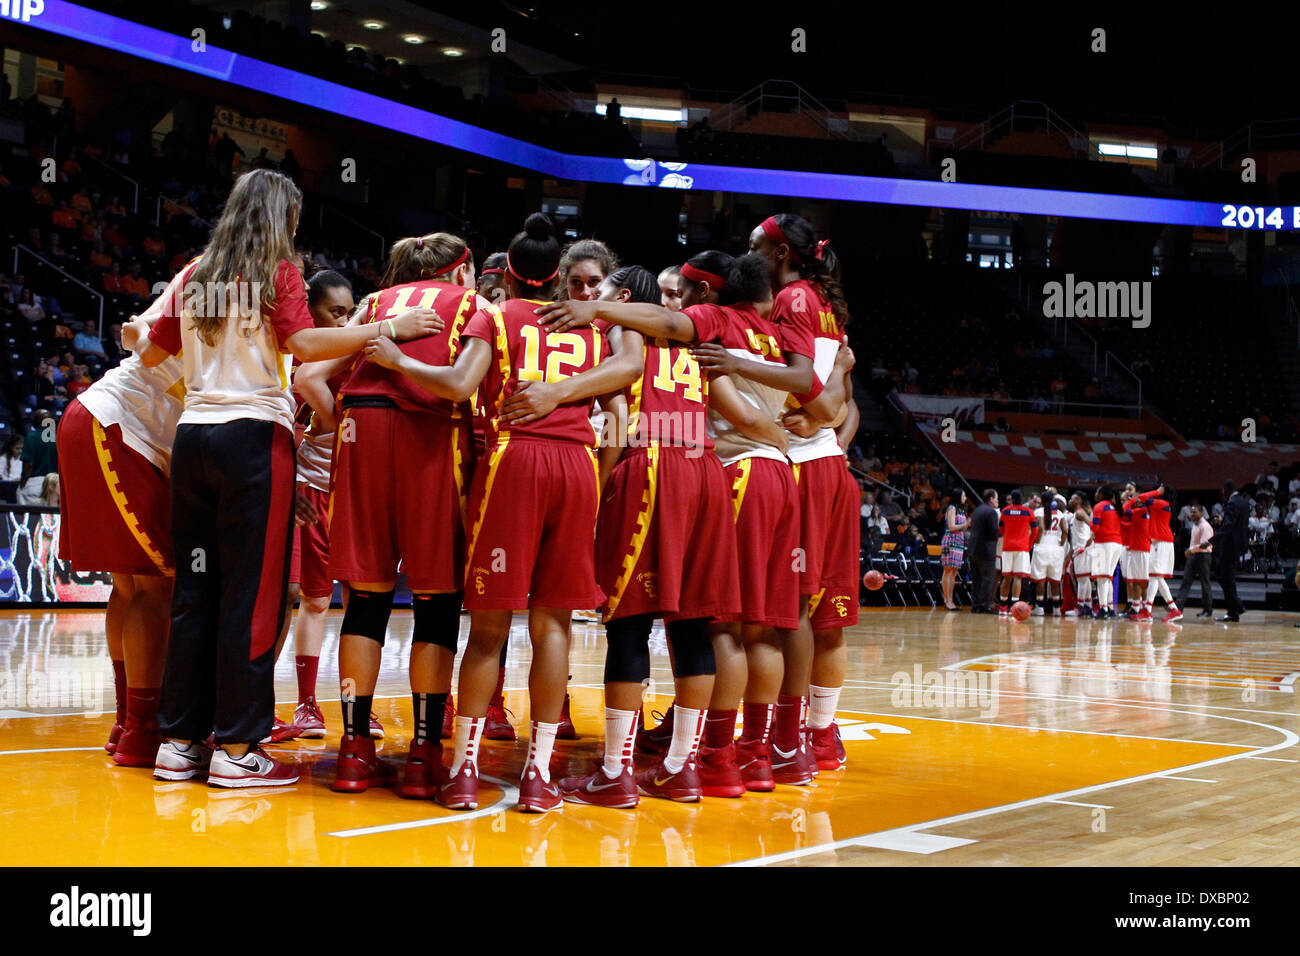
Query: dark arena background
(1068, 243)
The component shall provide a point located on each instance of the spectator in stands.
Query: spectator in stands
(80, 381)
(953, 547)
(11, 463)
(65, 217)
(890, 510)
(87, 340)
(289, 165)
(30, 308)
(40, 456)
(135, 285)
(112, 281)
(49, 496)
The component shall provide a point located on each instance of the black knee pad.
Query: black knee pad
(367, 614)
(627, 661)
(437, 619)
(692, 648)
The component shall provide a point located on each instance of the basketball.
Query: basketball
(1020, 611)
(874, 580)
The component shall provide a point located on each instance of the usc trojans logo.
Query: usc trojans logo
(650, 582)
(479, 585)
(841, 604)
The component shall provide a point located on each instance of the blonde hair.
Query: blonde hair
(422, 257)
(254, 233)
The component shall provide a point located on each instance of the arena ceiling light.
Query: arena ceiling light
(372, 24)
(452, 51)
(123, 36)
(413, 38)
(1130, 150)
(319, 5)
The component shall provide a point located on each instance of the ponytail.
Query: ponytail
(814, 260)
(424, 257)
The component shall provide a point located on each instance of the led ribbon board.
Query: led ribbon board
(124, 36)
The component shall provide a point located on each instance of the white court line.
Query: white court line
(1289, 740)
(508, 791)
(51, 750)
(1275, 759)
(1072, 803)
(1075, 698)
(1190, 779)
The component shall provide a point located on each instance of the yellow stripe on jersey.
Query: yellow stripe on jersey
(740, 484)
(814, 600)
(503, 356)
(114, 485)
(595, 468)
(632, 554)
(458, 325)
(494, 461)
(794, 466)
(338, 445)
(458, 471)
(634, 406)
(177, 390)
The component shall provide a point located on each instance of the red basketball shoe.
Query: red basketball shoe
(566, 729)
(425, 771)
(280, 732)
(376, 728)
(682, 786)
(461, 791)
(359, 768)
(755, 764)
(827, 748)
(496, 725)
(448, 720)
(600, 790)
(658, 740)
(139, 743)
(791, 767)
(537, 795)
(113, 736)
(719, 775)
(1174, 614)
(309, 719)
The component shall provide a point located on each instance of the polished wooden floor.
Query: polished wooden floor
(971, 741)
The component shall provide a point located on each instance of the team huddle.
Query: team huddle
(1045, 537)
(551, 434)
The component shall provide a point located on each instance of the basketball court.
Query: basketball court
(971, 740)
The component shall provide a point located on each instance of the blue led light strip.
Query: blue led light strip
(100, 29)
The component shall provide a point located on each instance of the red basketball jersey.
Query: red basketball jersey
(1105, 524)
(1139, 526)
(1016, 524)
(455, 304)
(524, 351)
(1161, 514)
(669, 403)
(809, 326)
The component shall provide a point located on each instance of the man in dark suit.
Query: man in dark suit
(981, 551)
(1229, 544)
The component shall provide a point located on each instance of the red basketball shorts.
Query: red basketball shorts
(115, 503)
(830, 511)
(765, 506)
(532, 533)
(665, 538)
(398, 495)
(309, 566)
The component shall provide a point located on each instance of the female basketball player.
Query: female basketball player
(114, 445)
(232, 479)
(492, 278)
(330, 302)
(666, 490)
(765, 507)
(584, 264)
(532, 509)
(810, 307)
(399, 484)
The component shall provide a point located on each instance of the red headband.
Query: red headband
(821, 248)
(493, 272)
(538, 283)
(699, 275)
(773, 231)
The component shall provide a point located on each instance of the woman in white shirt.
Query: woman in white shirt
(11, 464)
(243, 313)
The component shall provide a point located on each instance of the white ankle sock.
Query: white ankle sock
(688, 724)
(822, 702)
(466, 731)
(620, 738)
(540, 743)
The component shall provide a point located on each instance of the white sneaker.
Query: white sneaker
(1038, 611)
(253, 769)
(175, 762)
(1072, 612)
